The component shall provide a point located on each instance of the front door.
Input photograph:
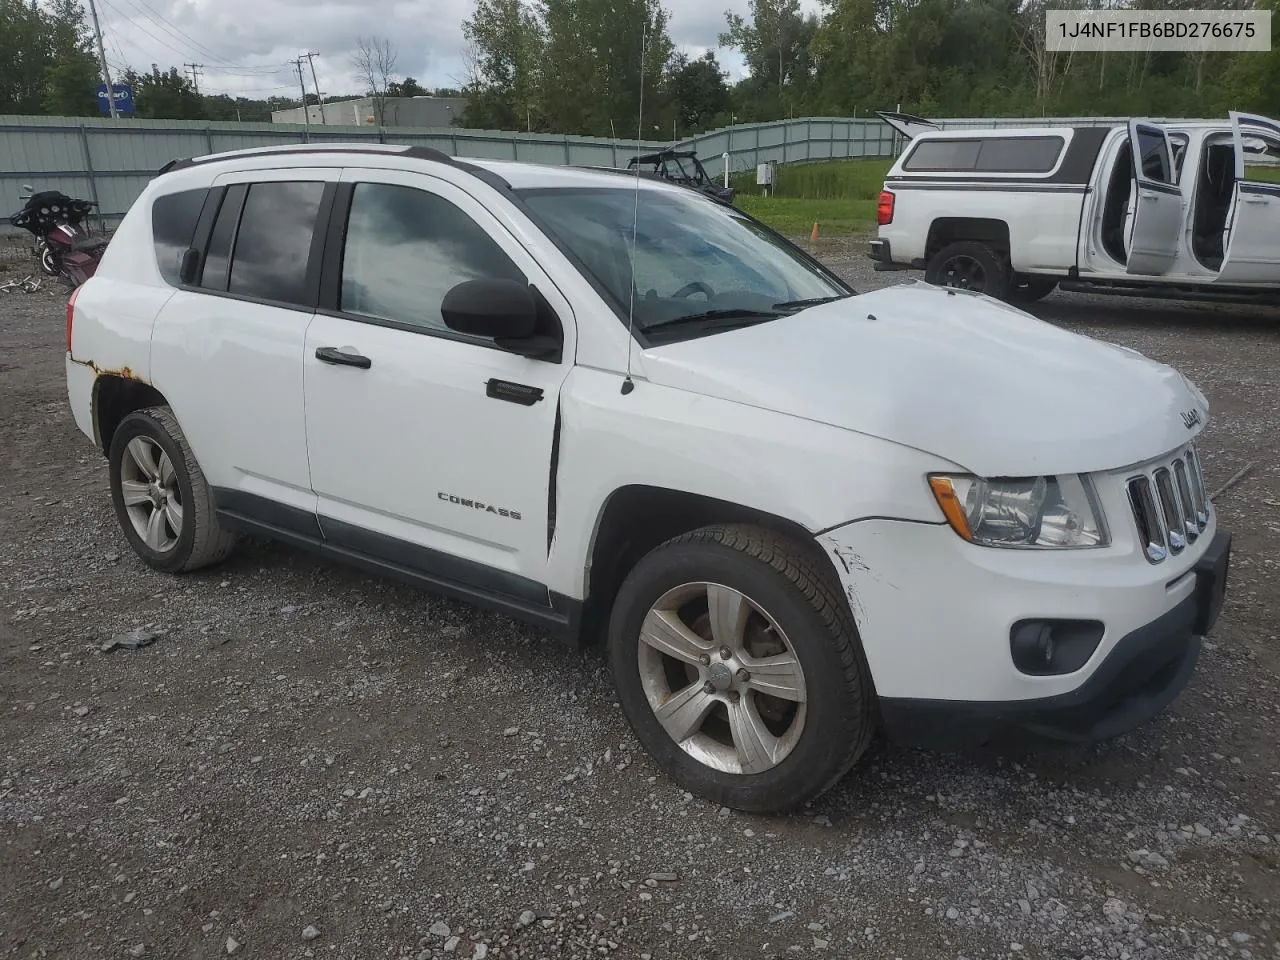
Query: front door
(430, 450)
(1153, 226)
(1252, 239)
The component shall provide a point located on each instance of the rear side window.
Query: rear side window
(986, 155)
(943, 155)
(173, 227)
(217, 259)
(1019, 155)
(273, 243)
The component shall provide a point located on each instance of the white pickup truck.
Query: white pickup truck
(1187, 210)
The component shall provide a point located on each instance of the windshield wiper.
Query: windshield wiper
(717, 318)
(811, 302)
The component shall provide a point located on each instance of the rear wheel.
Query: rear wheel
(969, 265)
(162, 501)
(739, 667)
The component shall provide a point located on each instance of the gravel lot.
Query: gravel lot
(309, 762)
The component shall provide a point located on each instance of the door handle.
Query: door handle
(1249, 199)
(340, 357)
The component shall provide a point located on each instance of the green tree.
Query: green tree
(71, 88)
(408, 87)
(698, 91)
(600, 55)
(164, 95)
(505, 47)
(775, 43)
(24, 57)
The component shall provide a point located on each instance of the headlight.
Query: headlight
(1060, 511)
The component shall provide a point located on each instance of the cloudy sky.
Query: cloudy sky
(244, 45)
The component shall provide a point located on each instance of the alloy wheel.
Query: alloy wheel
(152, 497)
(722, 678)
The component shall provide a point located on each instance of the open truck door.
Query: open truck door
(1153, 221)
(910, 127)
(1251, 237)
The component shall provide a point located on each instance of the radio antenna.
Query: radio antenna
(628, 384)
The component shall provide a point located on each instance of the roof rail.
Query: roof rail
(418, 153)
(414, 152)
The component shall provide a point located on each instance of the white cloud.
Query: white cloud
(245, 45)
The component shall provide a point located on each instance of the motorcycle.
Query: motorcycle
(64, 245)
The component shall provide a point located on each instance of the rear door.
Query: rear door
(1153, 222)
(1252, 240)
(227, 348)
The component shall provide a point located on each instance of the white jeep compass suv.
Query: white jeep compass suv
(618, 409)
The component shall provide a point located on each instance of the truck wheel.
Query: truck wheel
(738, 665)
(969, 265)
(161, 498)
(1031, 289)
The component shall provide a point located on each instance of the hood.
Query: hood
(954, 374)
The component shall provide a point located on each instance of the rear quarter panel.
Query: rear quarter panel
(115, 310)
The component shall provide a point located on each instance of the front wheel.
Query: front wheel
(738, 665)
(969, 265)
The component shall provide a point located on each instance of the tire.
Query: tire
(969, 265)
(793, 605)
(48, 262)
(1031, 289)
(178, 541)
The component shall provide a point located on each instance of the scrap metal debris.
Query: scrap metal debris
(133, 640)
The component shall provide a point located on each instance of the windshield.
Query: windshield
(699, 266)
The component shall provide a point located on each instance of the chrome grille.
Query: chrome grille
(1170, 506)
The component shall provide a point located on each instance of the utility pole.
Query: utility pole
(102, 60)
(319, 98)
(306, 114)
(195, 75)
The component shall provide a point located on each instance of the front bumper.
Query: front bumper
(936, 614)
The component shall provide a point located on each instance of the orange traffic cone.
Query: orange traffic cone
(813, 235)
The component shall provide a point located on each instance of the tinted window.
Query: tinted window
(173, 225)
(1156, 163)
(406, 249)
(943, 155)
(991, 155)
(1019, 154)
(273, 243)
(218, 257)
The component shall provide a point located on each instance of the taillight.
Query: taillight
(71, 314)
(884, 209)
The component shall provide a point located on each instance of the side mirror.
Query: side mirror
(500, 309)
(508, 311)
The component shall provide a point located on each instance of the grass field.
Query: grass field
(840, 196)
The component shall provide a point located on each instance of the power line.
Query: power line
(173, 30)
(306, 114)
(310, 60)
(177, 35)
(195, 69)
(102, 60)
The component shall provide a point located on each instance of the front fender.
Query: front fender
(814, 475)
